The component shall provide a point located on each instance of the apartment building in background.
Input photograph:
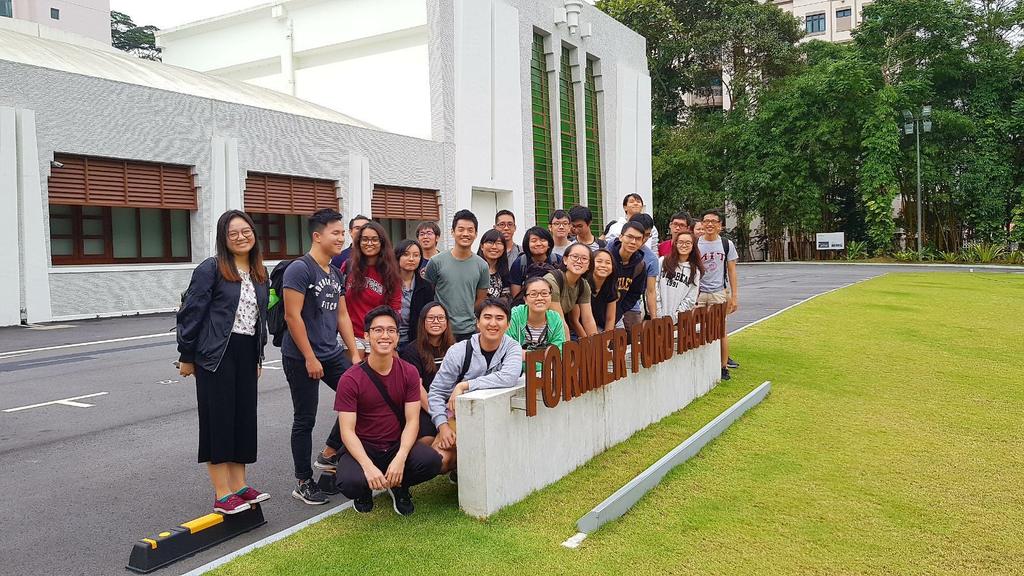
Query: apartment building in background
(86, 18)
(826, 20)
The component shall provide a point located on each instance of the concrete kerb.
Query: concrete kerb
(969, 267)
(626, 497)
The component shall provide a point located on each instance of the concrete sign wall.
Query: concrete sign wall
(504, 455)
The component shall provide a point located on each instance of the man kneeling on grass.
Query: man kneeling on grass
(489, 359)
(378, 404)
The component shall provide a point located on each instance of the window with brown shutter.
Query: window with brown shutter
(280, 194)
(279, 205)
(93, 181)
(401, 203)
(113, 211)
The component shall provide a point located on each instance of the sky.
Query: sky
(170, 14)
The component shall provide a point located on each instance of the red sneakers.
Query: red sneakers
(233, 505)
(253, 496)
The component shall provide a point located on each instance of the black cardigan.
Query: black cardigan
(207, 315)
(422, 294)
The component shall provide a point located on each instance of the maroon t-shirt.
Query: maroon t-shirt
(376, 425)
(665, 248)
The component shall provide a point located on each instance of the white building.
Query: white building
(114, 169)
(86, 18)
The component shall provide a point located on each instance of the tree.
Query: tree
(138, 40)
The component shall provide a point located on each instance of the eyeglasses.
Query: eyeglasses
(711, 222)
(687, 243)
(505, 225)
(381, 330)
(538, 294)
(244, 233)
(436, 319)
(369, 240)
(578, 257)
(426, 233)
(559, 224)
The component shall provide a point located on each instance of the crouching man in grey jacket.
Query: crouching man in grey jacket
(489, 359)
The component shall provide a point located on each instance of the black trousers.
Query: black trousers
(462, 337)
(422, 464)
(305, 397)
(227, 404)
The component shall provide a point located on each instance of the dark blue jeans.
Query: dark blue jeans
(305, 397)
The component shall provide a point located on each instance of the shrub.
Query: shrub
(985, 252)
(950, 257)
(856, 250)
(905, 255)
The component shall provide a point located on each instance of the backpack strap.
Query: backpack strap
(466, 360)
(725, 264)
(375, 378)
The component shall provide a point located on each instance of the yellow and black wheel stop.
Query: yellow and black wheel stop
(190, 538)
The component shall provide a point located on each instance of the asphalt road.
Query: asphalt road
(85, 479)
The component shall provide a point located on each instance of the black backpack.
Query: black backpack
(276, 324)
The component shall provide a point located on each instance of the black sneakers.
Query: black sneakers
(731, 364)
(309, 493)
(401, 499)
(363, 505)
(725, 374)
(327, 464)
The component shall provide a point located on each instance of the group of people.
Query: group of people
(399, 332)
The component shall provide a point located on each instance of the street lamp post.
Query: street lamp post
(916, 125)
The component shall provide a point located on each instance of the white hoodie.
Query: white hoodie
(675, 295)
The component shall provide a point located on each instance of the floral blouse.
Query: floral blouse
(247, 313)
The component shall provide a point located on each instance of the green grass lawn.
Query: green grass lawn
(892, 443)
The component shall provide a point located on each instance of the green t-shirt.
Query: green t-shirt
(571, 295)
(455, 284)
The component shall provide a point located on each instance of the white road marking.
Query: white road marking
(64, 402)
(11, 354)
(804, 301)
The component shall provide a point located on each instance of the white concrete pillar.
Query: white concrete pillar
(10, 256)
(35, 276)
(217, 202)
(233, 178)
(360, 186)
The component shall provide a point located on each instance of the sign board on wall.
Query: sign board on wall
(830, 240)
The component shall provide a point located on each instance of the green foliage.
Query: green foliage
(813, 140)
(856, 250)
(905, 255)
(950, 257)
(138, 40)
(985, 252)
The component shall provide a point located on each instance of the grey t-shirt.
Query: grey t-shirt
(455, 284)
(403, 324)
(322, 292)
(713, 256)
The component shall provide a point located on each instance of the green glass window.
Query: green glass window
(570, 160)
(595, 197)
(543, 165)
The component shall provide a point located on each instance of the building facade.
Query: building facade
(87, 18)
(546, 103)
(114, 169)
(827, 20)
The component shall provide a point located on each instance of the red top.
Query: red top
(360, 302)
(665, 248)
(376, 425)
